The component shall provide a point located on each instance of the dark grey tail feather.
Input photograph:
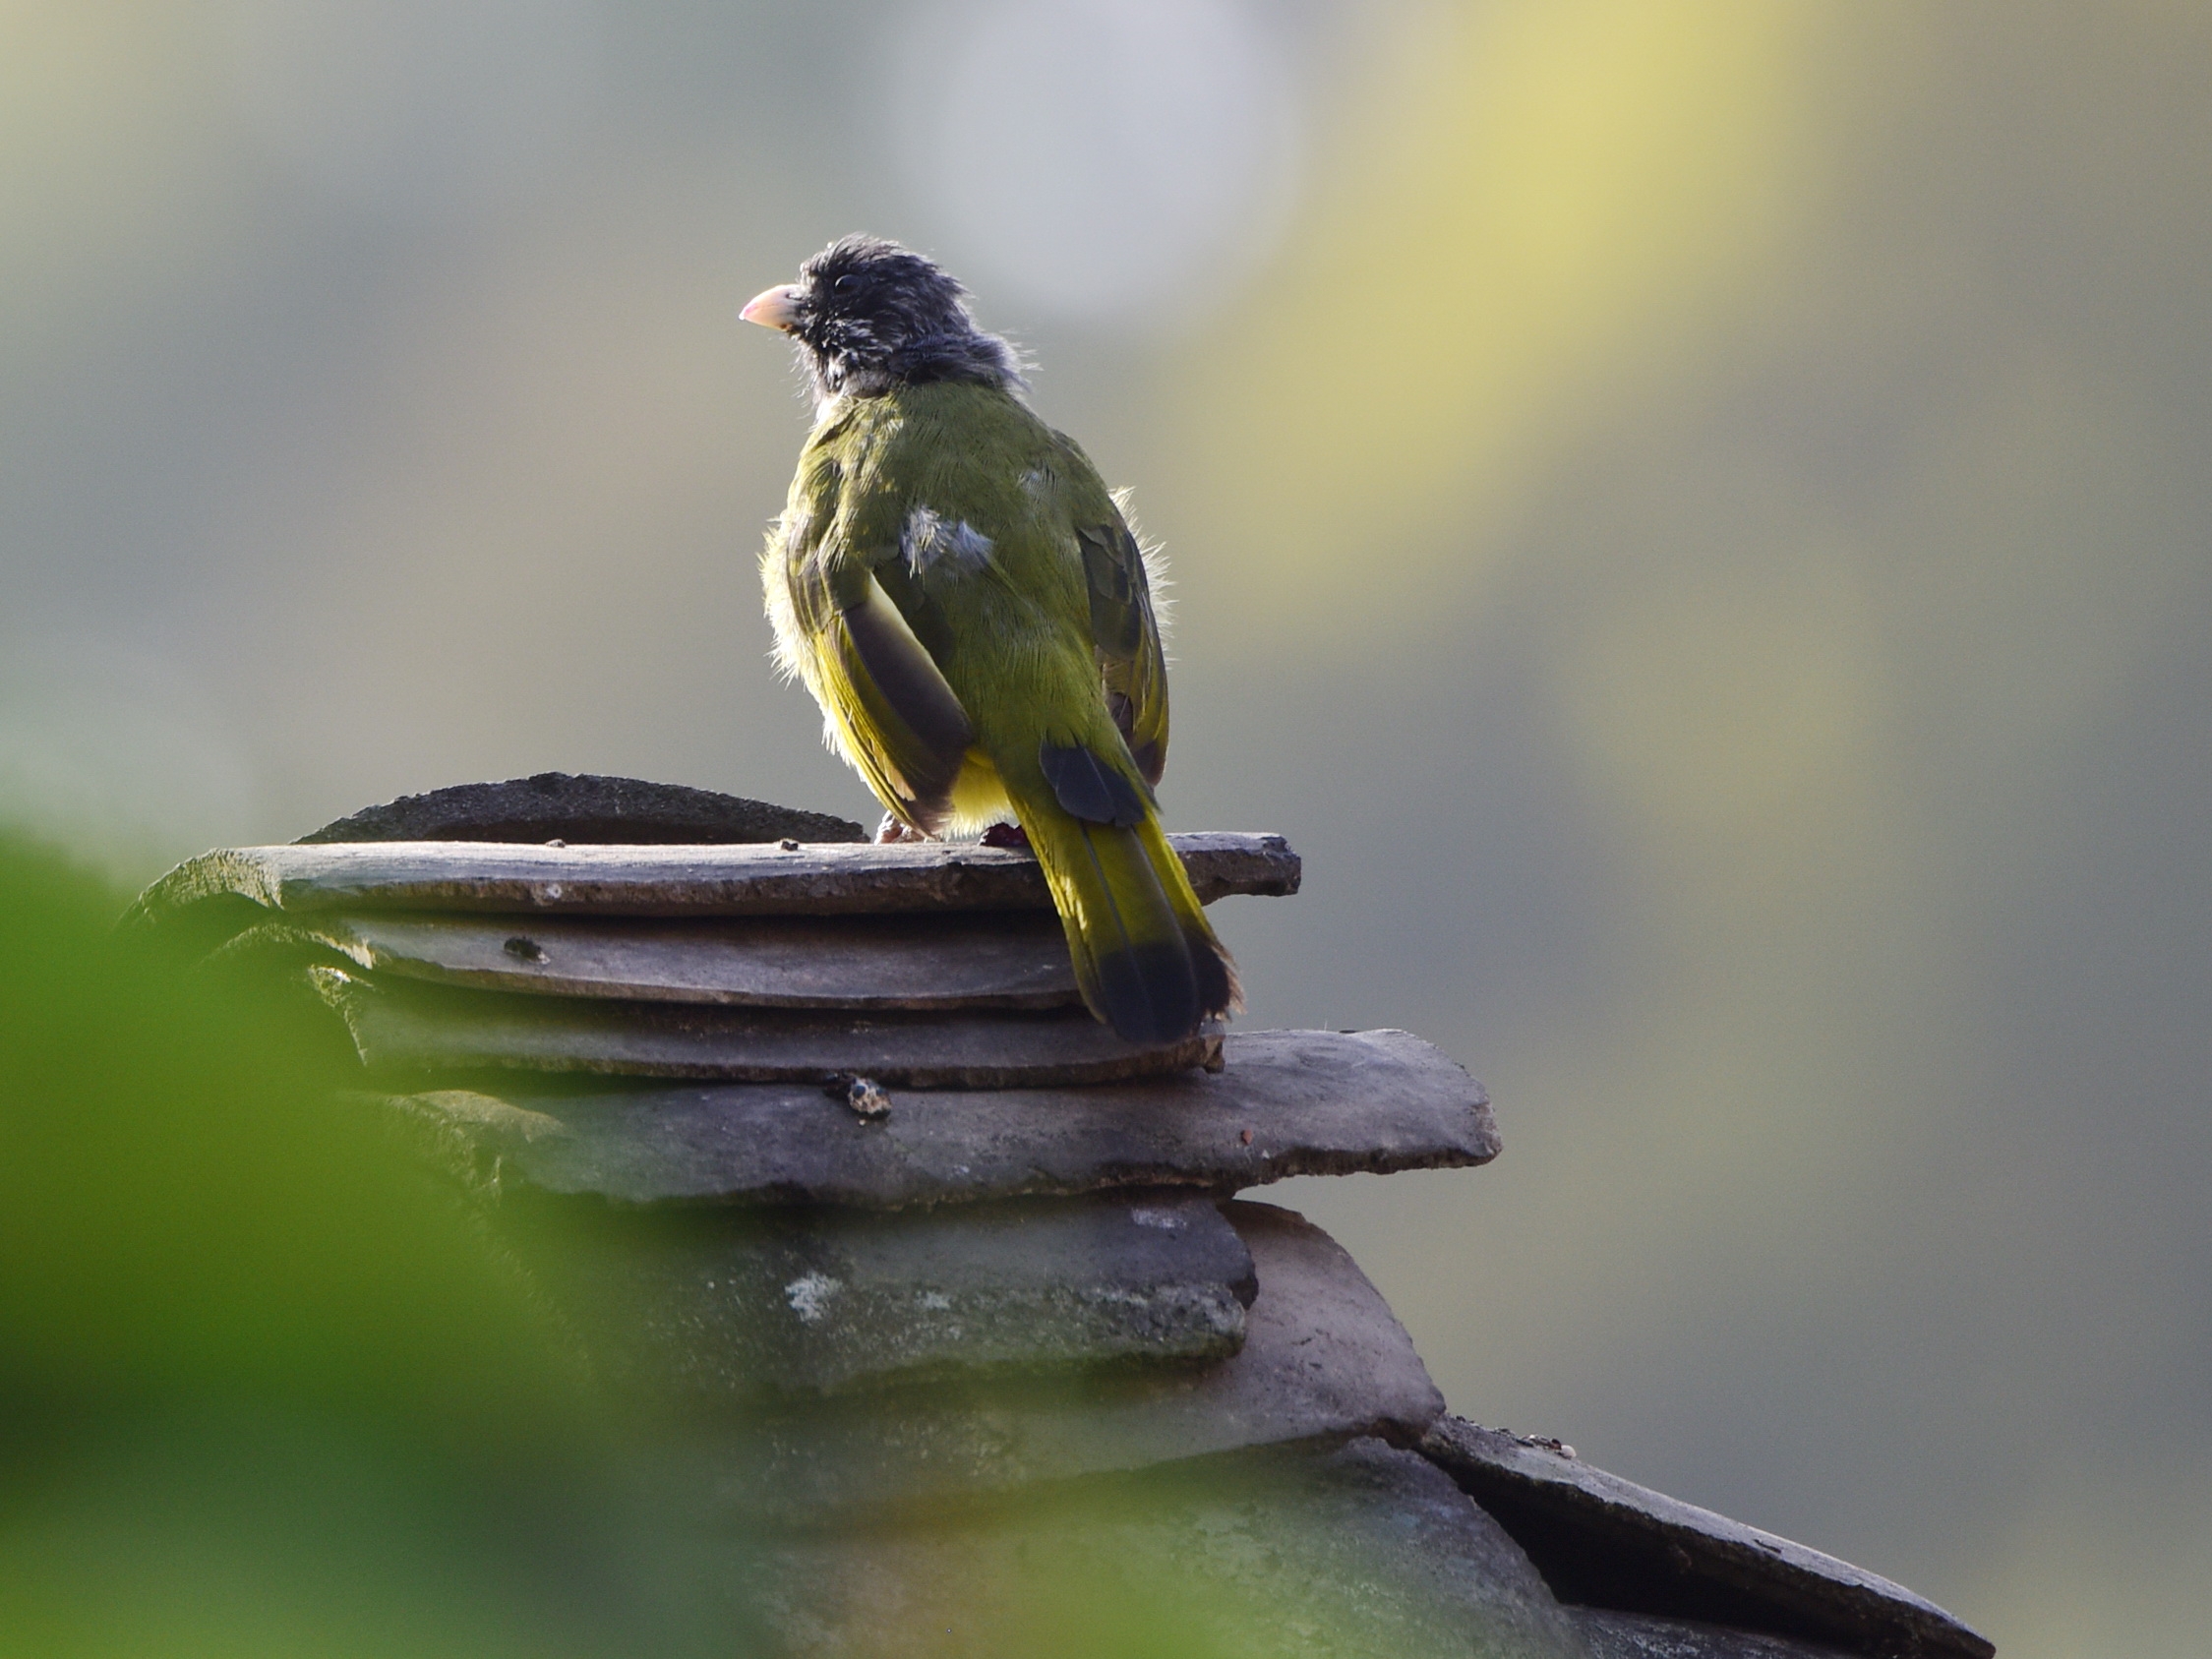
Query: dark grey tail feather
(1090, 788)
(1149, 990)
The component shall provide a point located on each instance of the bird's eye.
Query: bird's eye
(847, 284)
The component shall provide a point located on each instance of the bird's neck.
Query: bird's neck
(972, 356)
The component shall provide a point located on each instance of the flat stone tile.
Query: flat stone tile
(953, 961)
(583, 809)
(1607, 1542)
(720, 1305)
(1285, 1104)
(1359, 1553)
(403, 1027)
(1638, 1636)
(1323, 1360)
(807, 879)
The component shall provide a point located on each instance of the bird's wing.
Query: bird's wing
(1124, 626)
(897, 720)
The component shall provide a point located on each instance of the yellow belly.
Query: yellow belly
(979, 796)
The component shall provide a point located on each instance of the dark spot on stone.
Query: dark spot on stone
(524, 949)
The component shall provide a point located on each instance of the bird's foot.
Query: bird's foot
(890, 832)
(1012, 837)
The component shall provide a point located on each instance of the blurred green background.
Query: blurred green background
(1694, 519)
(264, 1388)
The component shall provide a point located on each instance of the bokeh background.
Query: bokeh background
(1696, 518)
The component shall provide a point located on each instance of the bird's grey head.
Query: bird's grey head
(868, 315)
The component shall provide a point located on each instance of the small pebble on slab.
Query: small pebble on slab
(866, 1098)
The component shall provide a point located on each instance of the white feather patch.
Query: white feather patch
(930, 542)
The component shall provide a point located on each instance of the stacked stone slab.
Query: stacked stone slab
(938, 1293)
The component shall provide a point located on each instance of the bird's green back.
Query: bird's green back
(966, 508)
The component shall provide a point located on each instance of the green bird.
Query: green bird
(962, 594)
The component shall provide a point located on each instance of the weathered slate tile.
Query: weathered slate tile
(722, 1305)
(586, 807)
(1323, 1359)
(1607, 1542)
(403, 1026)
(1362, 1551)
(809, 879)
(1285, 1104)
(987, 958)
(1640, 1635)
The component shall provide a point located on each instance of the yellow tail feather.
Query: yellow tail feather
(1145, 956)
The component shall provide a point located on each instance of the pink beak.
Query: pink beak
(777, 308)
